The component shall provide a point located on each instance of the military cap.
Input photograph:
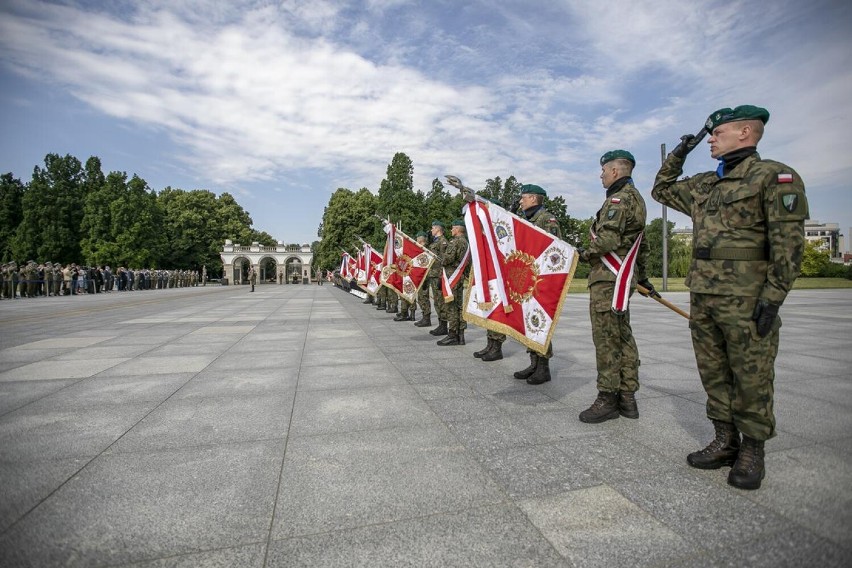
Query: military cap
(458, 223)
(437, 223)
(616, 155)
(532, 188)
(420, 234)
(744, 112)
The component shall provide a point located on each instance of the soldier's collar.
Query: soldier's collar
(532, 211)
(729, 162)
(618, 184)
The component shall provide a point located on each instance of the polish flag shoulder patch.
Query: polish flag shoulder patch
(618, 199)
(785, 178)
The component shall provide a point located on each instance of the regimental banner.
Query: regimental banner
(373, 270)
(520, 275)
(344, 266)
(406, 264)
(362, 269)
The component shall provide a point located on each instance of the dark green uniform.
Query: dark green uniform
(748, 242)
(617, 225)
(433, 280)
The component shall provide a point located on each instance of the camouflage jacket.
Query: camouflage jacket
(544, 220)
(439, 247)
(617, 225)
(454, 253)
(748, 233)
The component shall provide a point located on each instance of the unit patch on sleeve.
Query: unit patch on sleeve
(785, 178)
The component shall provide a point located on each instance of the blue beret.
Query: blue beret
(618, 154)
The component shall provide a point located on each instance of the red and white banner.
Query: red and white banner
(406, 263)
(373, 270)
(344, 266)
(521, 275)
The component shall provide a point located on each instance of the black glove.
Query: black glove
(764, 316)
(688, 142)
(583, 254)
(513, 208)
(652, 292)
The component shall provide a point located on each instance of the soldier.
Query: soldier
(433, 283)
(617, 227)
(392, 300)
(48, 278)
(382, 298)
(453, 256)
(204, 275)
(748, 242)
(252, 277)
(532, 207)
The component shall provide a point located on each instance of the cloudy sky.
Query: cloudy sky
(282, 102)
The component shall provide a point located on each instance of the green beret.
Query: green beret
(458, 223)
(420, 234)
(616, 155)
(437, 223)
(744, 112)
(534, 189)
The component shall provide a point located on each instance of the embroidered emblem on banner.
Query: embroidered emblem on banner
(521, 276)
(556, 261)
(502, 230)
(535, 321)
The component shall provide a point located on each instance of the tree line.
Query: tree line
(69, 212)
(353, 214)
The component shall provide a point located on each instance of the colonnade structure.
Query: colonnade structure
(279, 264)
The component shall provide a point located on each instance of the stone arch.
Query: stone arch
(267, 270)
(239, 273)
(293, 270)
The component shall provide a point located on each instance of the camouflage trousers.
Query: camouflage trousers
(434, 283)
(392, 299)
(453, 310)
(615, 349)
(737, 367)
(423, 299)
(406, 307)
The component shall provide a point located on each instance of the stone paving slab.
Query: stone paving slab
(297, 426)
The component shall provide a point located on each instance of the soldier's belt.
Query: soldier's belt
(719, 253)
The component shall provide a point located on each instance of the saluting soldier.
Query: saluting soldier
(615, 231)
(532, 206)
(748, 242)
(453, 256)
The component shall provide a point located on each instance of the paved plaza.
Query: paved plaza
(297, 426)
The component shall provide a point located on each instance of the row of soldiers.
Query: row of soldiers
(748, 242)
(53, 279)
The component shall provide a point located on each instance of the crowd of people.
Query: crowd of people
(47, 279)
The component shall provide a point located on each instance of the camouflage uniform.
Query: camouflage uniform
(453, 255)
(617, 225)
(439, 247)
(748, 242)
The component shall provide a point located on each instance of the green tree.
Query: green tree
(397, 198)
(11, 213)
(52, 211)
(654, 238)
(136, 226)
(815, 260)
(97, 242)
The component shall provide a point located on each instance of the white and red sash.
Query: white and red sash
(448, 283)
(623, 270)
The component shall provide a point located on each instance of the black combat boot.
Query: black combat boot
(627, 404)
(722, 450)
(484, 350)
(451, 339)
(528, 372)
(542, 372)
(411, 316)
(401, 316)
(425, 321)
(748, 471)
(441, 329)
(368, 300)
(496, 352)
(604, 408)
